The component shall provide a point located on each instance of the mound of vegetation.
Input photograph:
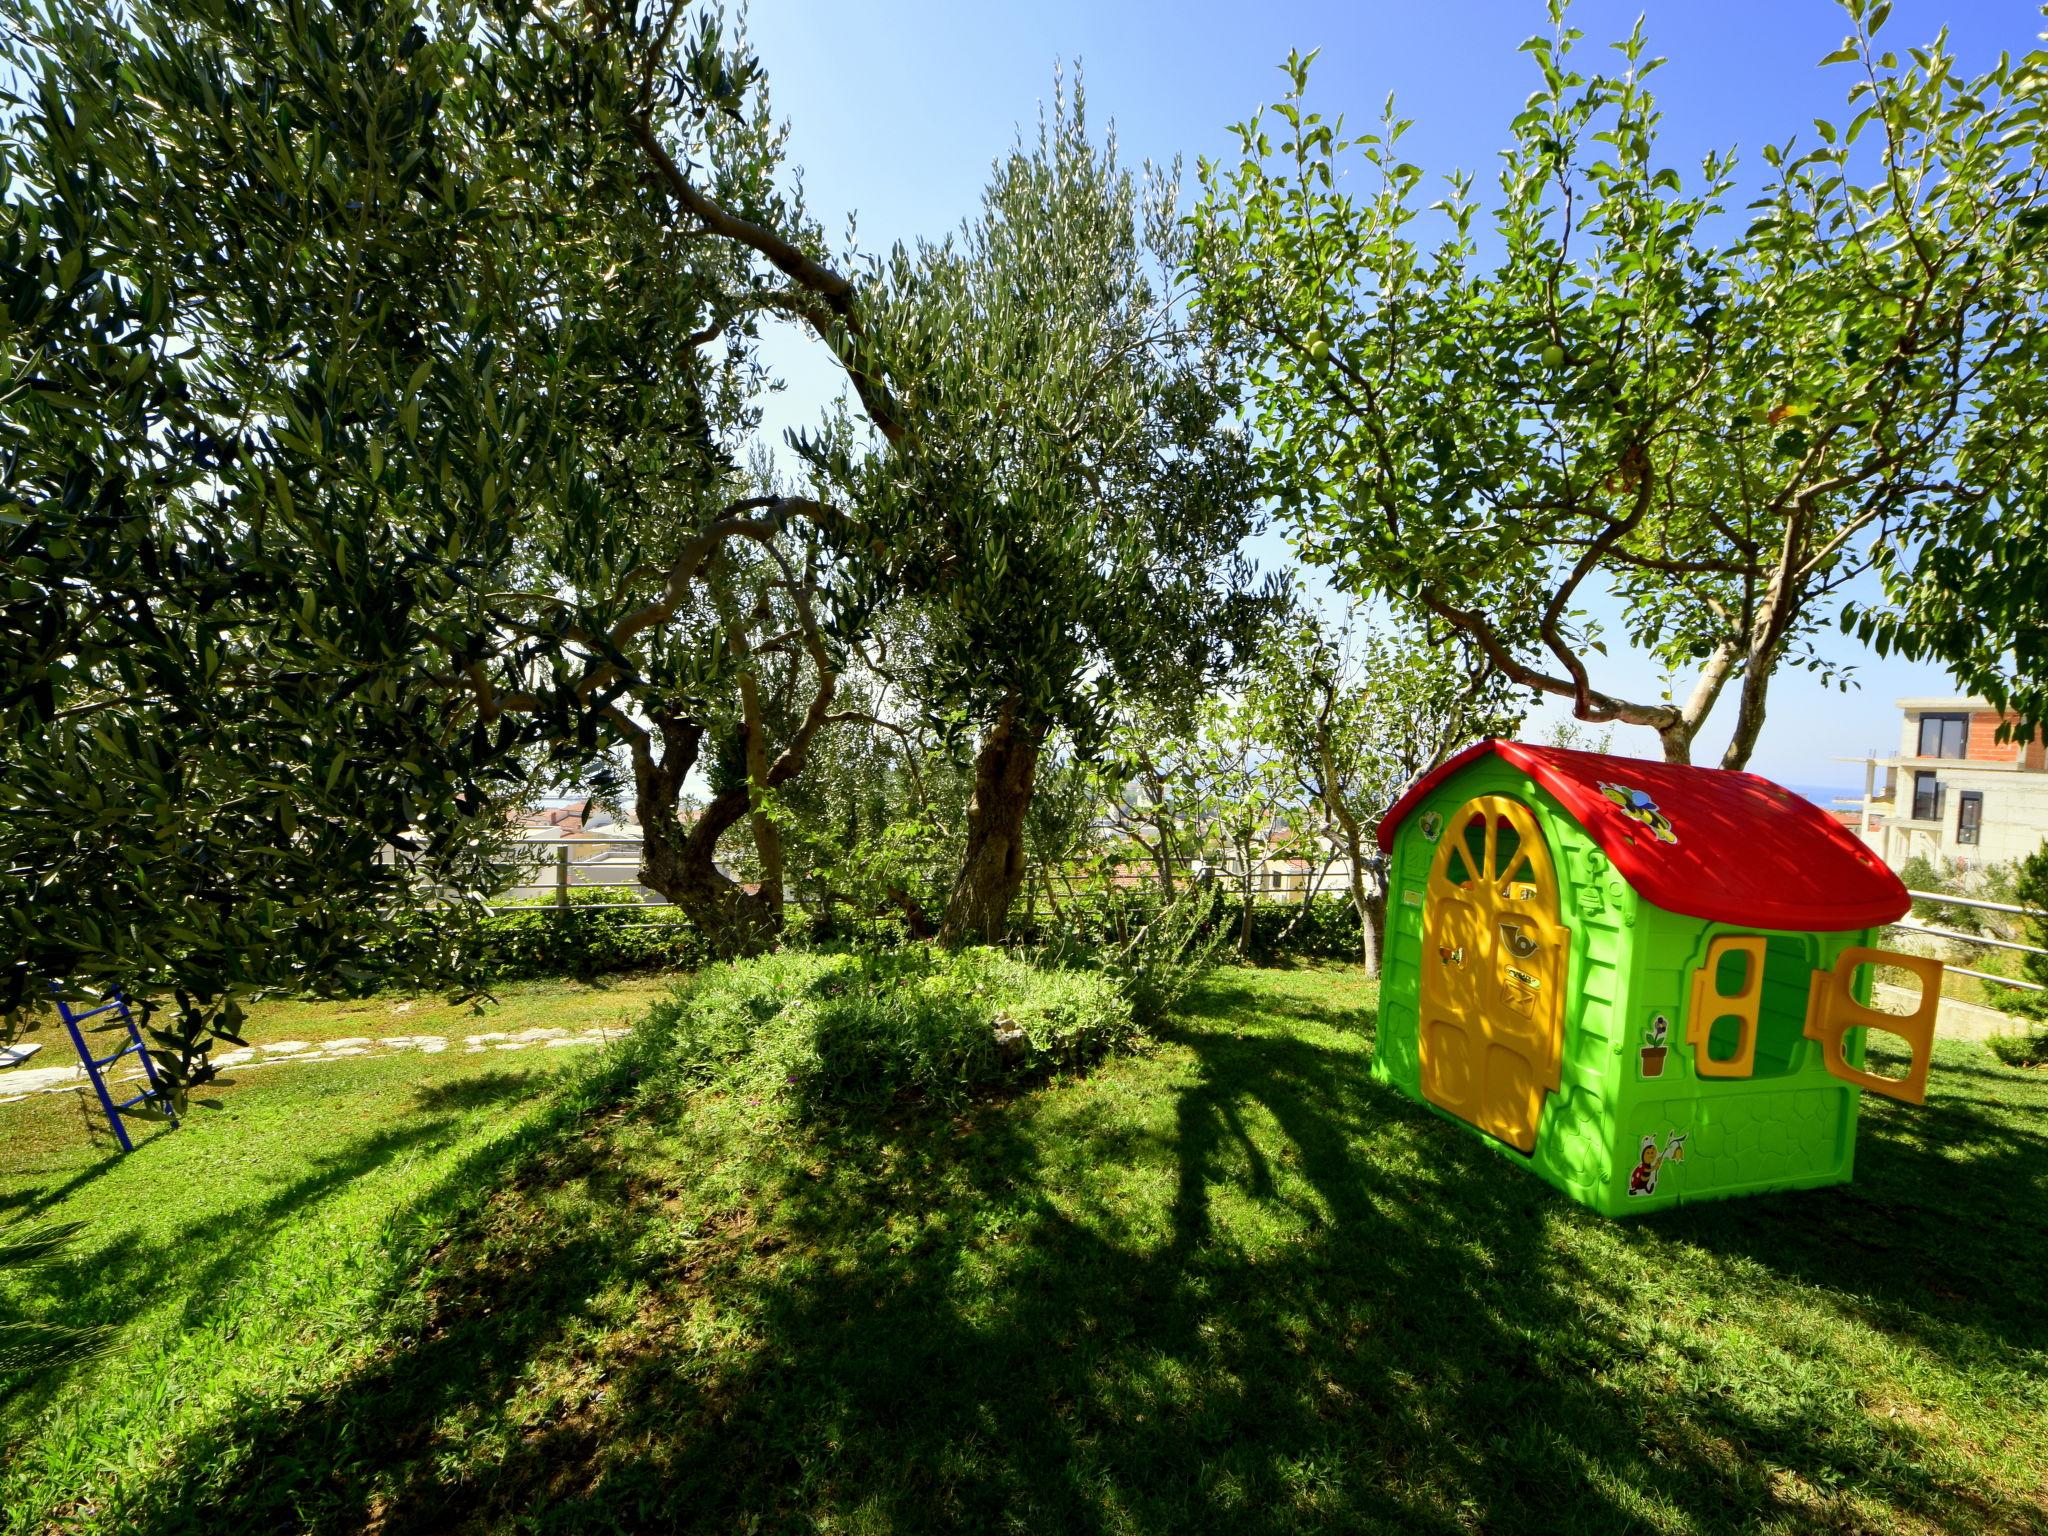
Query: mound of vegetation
(2028, 1050)
(875, 1026)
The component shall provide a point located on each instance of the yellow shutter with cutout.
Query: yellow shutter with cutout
(1710, 1005)
(1832, 1011)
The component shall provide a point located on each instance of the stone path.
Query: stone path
(20, 1083)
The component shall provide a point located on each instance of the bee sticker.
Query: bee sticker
(1431, 826)
(1450, 956)
(1640, 808)
(1650, 1161)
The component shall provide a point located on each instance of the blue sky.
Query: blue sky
(896, 111)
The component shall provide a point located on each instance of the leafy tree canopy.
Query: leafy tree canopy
(375, 375)
(1065, 510)
(1491, 408)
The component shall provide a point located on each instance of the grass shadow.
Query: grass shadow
(105, 1286)
(1269, 1296)
(474, 1092)
(1949, 1204)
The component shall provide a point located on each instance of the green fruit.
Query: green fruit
(1319, 346)
(1553, 356)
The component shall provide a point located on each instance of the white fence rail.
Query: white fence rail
(1929, 931)
(554, 869)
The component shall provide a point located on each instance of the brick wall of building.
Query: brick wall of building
(1985, 747)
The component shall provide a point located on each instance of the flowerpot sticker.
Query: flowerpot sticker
(1655, 1049)
(1650, 1161)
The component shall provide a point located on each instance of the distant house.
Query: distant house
(1953, 790)
(1285, 865)
(575, 845)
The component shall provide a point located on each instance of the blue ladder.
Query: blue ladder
(153, 1099)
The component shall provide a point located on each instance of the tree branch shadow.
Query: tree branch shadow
(944, 1331)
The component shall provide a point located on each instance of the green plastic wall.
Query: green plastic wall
(1791, 1125)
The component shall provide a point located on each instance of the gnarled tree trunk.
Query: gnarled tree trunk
(992, 868)
(682, 862)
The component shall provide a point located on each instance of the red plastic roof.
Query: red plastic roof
(1741, 849)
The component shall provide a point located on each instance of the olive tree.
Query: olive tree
(1352, 714)
(1065, 509)
(375, 381)
(1602, 378)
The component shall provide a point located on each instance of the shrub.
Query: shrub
(600, 931)
(2030, 1050)
(1328, 931)
(877, 1026)
(1155, 961)
(2030, 889)
(1946, 877)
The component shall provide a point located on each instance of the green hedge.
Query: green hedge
(606, 931)
(825, 1031)
(1329, 932)
(600, 932)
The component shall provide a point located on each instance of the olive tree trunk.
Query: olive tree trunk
(682, 862)
(992, 867)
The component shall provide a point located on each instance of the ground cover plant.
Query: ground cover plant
(875, 1026)
(243, 1248)
(1228, 1282)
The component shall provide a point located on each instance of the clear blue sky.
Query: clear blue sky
(896, 111)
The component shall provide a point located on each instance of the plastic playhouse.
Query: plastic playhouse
(1647, 983)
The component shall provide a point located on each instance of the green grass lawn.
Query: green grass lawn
(1231, 1284)
(238, 1249)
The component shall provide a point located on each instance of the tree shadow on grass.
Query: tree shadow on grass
(108, 1284)
(1948, 1208)
(1227, 999)
(945, 1334)
(475, 1091)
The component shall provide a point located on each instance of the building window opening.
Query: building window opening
(1945, 736)
(1969, 816)
(1926, 797)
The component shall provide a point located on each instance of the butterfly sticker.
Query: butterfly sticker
(1640, 808)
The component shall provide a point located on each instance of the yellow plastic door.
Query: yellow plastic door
(1832, 1011)
(1493, 971)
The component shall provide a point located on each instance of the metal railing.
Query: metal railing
(1929, 931)
(617, 866)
